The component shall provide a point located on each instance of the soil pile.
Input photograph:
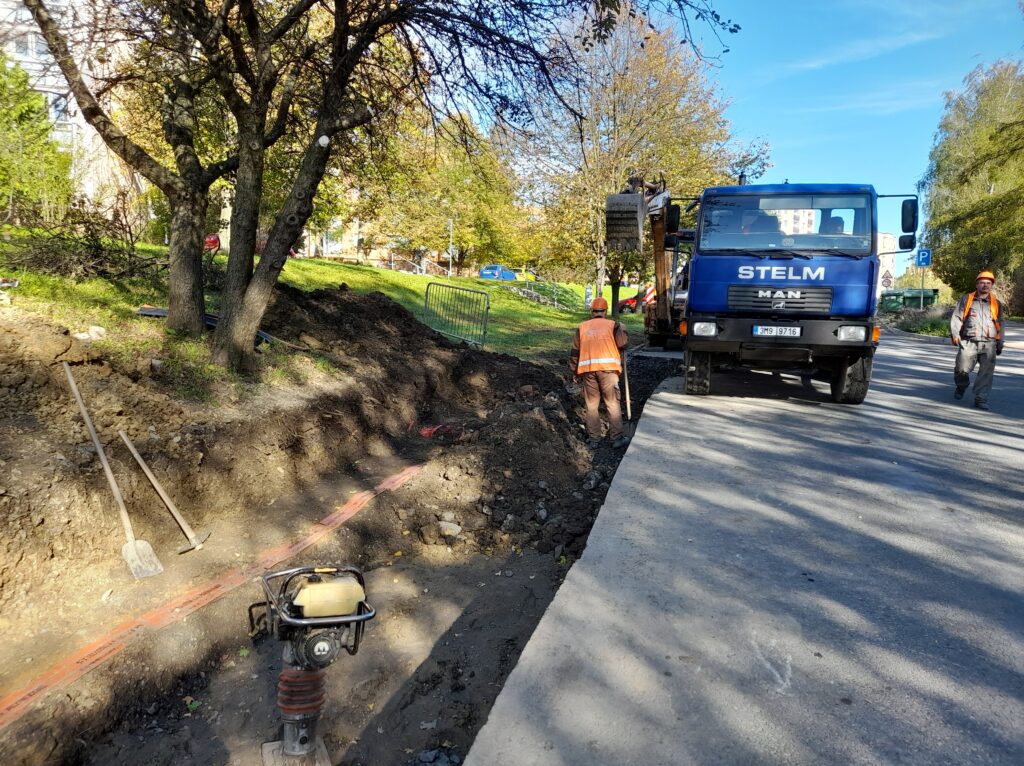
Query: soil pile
(49, 515)
(509, 464)
(394, 375)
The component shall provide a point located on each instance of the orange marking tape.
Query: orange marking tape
(94, 654)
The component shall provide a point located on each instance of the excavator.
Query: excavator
(624, 232)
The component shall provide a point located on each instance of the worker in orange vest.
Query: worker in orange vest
(977, 329)
(596, 360)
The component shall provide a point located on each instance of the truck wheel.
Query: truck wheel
(697, 372)
(851, 379)
(657, 340)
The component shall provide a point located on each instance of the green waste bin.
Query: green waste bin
(910, 298)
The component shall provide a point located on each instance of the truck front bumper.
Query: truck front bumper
(818, 338)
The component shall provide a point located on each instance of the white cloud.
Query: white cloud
(892, 99)
(857, 50)
(931, 15)
(906, 24)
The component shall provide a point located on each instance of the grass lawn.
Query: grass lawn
(515, 325)
(624, 292)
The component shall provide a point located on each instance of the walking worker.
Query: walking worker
(977, 329)
(596, 359)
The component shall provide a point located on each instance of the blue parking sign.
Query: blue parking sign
(924, 257)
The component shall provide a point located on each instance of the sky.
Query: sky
(852, 91)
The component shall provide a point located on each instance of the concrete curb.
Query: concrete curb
(943, 340)
(936, 339)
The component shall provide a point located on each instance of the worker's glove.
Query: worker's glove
(956, 341)
(999, 349)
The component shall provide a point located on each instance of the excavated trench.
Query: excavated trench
(509, 469)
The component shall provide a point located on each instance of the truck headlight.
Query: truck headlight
(704, 329)
(853, 333)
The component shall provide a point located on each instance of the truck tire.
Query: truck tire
(657, 340)
(697, 372)
(851, 379)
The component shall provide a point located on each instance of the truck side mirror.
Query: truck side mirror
(687, 236)
(672, 219)
(908, 242)
(909, 216)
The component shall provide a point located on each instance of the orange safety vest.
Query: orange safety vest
(598, 351)
(993, 305)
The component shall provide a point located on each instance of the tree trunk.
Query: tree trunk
(245, 215)
(602, 271)
(185, 302)
(233, 345)
(616, 283)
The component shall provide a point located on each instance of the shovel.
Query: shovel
(195, 541)
(629, 405)
(137, 554)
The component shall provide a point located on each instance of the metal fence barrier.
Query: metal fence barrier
(457, 312)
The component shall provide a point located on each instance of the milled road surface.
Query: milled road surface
(777, 579)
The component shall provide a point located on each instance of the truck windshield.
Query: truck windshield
(831, 224)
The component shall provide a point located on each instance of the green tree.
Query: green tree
(448, 174)
(645, 107)
(35, 171)
(975, 183)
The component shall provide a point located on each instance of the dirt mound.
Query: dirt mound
(343, 320)
(391, 376)
(355, 331)
(507, 475)
(49, 502)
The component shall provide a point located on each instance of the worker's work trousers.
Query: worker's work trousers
(598, 387)
(974, 352)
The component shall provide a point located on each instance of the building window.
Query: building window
(21, 45)
(42, 50)
(58, 108)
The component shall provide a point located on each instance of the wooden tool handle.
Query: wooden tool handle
(125, 521)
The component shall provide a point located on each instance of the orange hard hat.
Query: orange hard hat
(599, 304)
(985, 275)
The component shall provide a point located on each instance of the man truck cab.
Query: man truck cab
(784, 276)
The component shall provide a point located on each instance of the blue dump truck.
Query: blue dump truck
(784, 277)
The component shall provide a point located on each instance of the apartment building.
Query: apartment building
(94, 167)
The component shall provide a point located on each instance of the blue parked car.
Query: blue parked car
(496, 271)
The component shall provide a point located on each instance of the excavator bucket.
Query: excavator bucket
(624, 221)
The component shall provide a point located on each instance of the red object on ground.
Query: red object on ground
(441, 430)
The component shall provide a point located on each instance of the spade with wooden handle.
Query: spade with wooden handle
(137, 554)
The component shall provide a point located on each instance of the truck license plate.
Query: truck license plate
(775, 331)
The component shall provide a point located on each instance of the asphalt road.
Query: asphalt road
(777, 579)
